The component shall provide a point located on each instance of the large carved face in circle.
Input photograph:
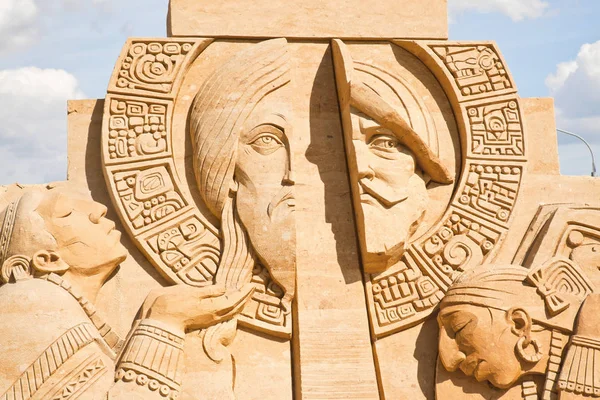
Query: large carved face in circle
(240, 135)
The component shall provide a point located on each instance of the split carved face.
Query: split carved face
(392, 191)
(265, 198)
(240, 134)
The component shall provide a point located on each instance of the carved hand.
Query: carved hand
(188, 308)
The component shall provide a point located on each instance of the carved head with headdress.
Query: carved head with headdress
(59, 231)
(242, 163)
(505, 324)
(392, 149)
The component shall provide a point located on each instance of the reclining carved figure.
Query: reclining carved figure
(509, 325)
(57, 249)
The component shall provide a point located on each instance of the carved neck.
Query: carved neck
(88, 285)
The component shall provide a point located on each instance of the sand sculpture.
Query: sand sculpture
(323, 201)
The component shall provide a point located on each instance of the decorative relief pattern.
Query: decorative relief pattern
(147, 195)
(400, 293)
(409, 291)
(461, 243)
(154, 358)
(474, 227)
(583, 352)
(491, 191)
(137, 129)
(83, 378)
(264, 310)
(189, 249)
(496, 129)
(152, 67)
(477, 69)
(49, 361)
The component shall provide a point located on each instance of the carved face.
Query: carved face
(265, 198)
(393, 196)
(479, 342)
(86, 240)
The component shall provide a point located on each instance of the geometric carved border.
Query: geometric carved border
(138, 166)
(485, 102)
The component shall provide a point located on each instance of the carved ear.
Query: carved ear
(519, 321)
(45, 262)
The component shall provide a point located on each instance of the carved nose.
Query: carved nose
(362, 161)
(289, 179)
(449, 353)
(99, 212)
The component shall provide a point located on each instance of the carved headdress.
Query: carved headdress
(222, 106)
(551, 293)
(22, 233)
(7, 217)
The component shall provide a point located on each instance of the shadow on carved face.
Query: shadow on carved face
(392, 150)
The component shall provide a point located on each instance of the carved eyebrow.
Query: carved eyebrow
(266, 128)
(370, 128)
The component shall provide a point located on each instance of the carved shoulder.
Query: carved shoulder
(38, 313)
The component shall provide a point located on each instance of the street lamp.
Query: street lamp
(586, 143)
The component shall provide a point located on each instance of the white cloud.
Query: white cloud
(517, 10)
(563, 70)
(576, 88)
(576, 84)
(18, 23)
(22, 22)
(33, 111)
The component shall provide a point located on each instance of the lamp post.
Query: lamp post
(586, 143)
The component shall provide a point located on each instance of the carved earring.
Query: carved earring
(16, 268)
(522, 344)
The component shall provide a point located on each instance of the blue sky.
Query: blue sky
(53, 50)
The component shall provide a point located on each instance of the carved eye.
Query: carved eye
(384, 142)
(63, 208)
(266, 139)
(461, 320)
